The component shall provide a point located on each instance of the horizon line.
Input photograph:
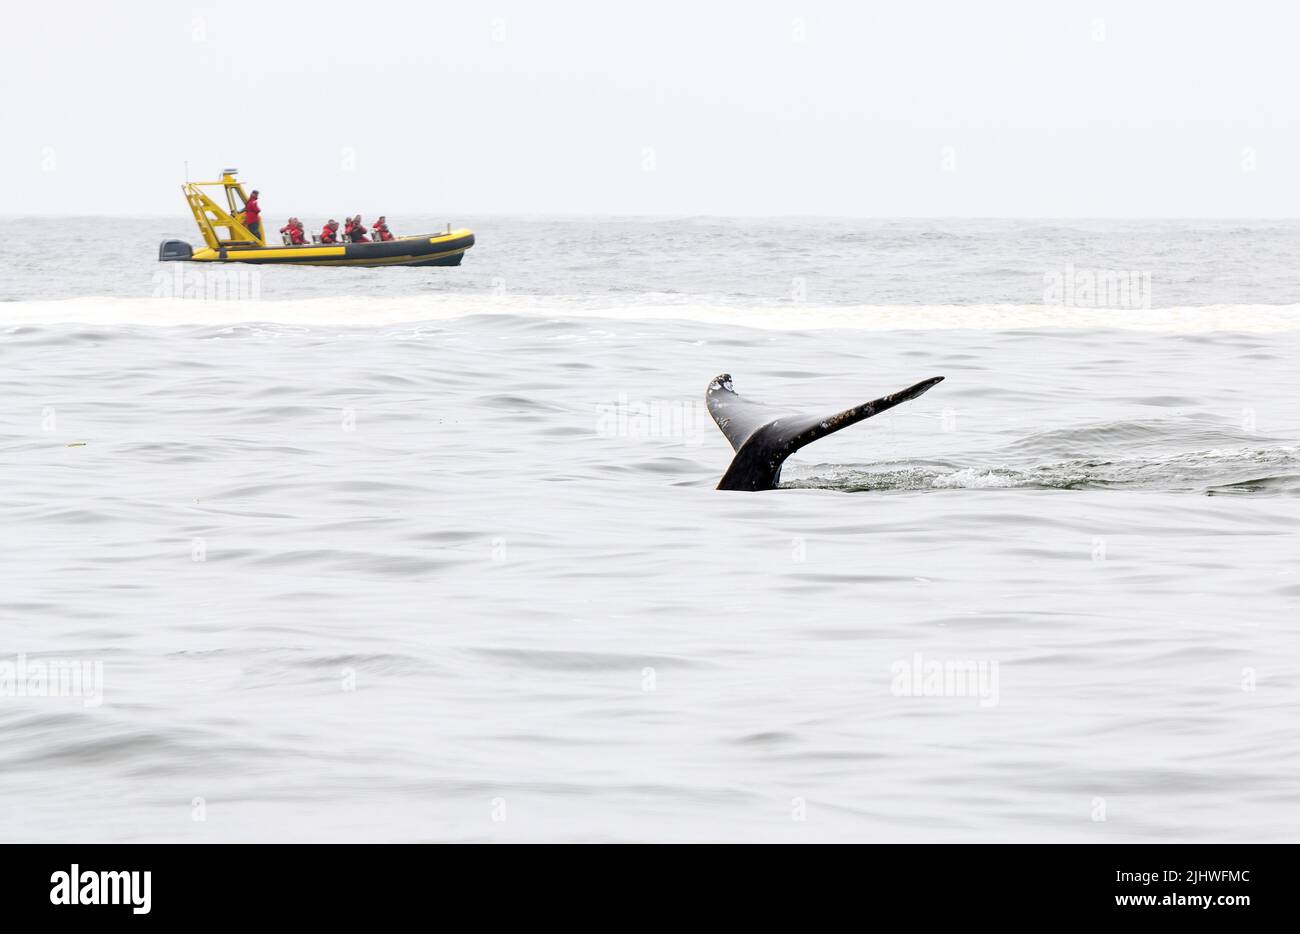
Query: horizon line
(711, 216)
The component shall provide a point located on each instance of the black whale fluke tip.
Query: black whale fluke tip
(764, 437)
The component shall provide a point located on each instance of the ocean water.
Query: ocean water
(436, 555)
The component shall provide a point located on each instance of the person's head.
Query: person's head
(254, 194)
(381, 220)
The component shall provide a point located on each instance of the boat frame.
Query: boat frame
(209, 215)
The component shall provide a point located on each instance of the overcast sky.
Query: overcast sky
(706, 107)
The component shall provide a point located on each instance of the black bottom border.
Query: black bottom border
(927, 883)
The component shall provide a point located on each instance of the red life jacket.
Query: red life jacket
(327, 235)
(252, 212)
(359, 234)
(297, 236)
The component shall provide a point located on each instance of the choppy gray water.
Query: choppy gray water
(439, 557)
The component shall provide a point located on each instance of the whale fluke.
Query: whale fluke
(763, 436)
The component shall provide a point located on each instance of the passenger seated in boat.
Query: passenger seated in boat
(358, 231)
(330, 232)
(380, 229)
(297, 236)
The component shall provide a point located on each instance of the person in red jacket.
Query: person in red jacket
(359, 231)
(253, 215)
(381, 229)
(297, 236)
(330, 232)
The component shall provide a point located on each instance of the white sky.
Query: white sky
(1050, 108)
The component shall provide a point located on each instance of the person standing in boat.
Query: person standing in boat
(330, 232)
(253, 215)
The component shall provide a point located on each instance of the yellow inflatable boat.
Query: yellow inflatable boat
(227, 240)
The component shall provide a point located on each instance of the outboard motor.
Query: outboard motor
(175, 249)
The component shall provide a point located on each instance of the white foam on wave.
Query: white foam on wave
(374, 311)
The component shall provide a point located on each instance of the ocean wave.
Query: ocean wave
(21, 317)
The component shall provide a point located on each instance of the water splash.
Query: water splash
(1271, 470)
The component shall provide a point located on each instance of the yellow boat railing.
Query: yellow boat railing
(212, 217)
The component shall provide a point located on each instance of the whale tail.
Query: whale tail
(763, 437)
